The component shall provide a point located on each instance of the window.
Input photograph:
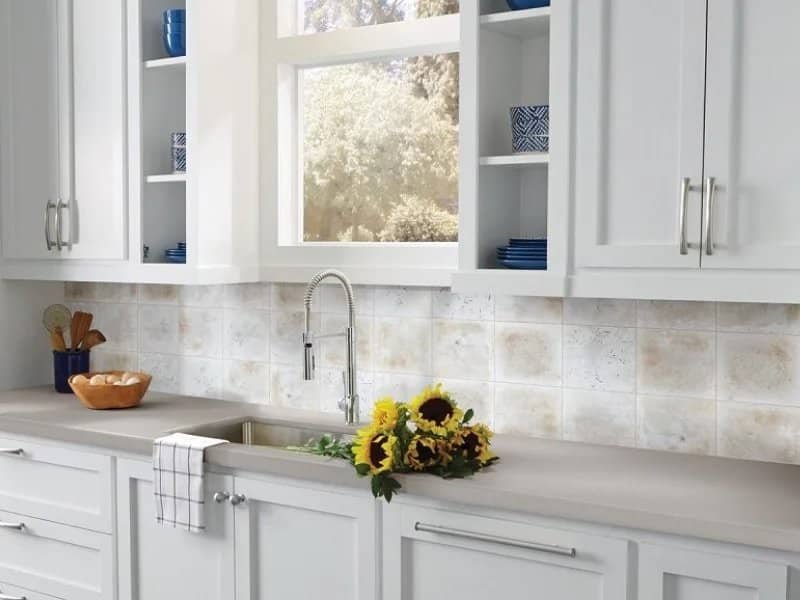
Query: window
(360, 103)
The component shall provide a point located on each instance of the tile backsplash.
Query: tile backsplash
(696, 377)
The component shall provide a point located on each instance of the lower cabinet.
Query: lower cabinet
(671, 573)
(430, 554)
(296, 543)
(158, 563)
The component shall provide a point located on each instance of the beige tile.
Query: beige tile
(589, 311)
(676, 363)
(527, 410)
(402, 388)
(288, 389)
(331, 392)
(246, 334)
(201, 377)
(528, 353)
(759, 318)
(158, 329)
(759, 368)
(335, 301)
(158, 294)
(403, 302)
(466, 307)
(250, 295)
(118, 322)
(528, 309)
(600, 417)
(676, 314)
(600, 358)
(475, 395)
(165, 370)
(78, 290)
(758, 432)
(103, 360)
(402, 345)
(288, 297)
(246, 381)
(200, 331)
(676, 423)
(100, 292)
(207, 296)
(332, 351)
(286, 337)
(462, 349)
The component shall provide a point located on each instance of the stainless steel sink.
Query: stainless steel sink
(254, 432)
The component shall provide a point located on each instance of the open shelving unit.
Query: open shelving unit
(505, 62)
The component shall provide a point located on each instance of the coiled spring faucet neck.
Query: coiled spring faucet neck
(349, 402)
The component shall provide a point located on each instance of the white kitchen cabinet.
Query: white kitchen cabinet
(430, 554)
(295, 542)
(638, 107)
(751, 134)
(158, 563)
(63, 115)
(671, 573)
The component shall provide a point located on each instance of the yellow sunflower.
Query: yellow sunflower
(376, 449)
(426, 452)
(385, 414)
(472, 443)
(434, 411)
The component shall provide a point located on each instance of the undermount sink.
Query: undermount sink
(254, 432)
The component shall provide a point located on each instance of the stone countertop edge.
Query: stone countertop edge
(719, 499)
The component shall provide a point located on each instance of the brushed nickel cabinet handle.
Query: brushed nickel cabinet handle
(220, 497)
(17, 526)
(14, 451)
(7, 597)
(683, 246)
(711, 188)
(237, 499)
(494, 539)
(59, 205)
(47, 240)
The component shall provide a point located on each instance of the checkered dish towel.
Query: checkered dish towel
(178, 480)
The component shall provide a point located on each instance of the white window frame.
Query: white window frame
(283, 52)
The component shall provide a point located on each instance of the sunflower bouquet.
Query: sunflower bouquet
(431, 434)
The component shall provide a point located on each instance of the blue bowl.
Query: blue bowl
(174, 44)
(173, 27)
(175, 15)
(523, 4)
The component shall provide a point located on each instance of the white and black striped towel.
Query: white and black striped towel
(178, 480)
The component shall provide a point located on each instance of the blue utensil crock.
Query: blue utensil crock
(67, 364)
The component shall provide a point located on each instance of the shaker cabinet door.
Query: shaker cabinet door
(638, 111)
(752, 133)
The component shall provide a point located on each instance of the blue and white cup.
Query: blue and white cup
(530, 128)
(178, 152)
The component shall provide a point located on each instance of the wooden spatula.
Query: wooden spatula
(80, 328)
(92, 338)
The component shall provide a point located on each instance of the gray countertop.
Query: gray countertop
(719, 499)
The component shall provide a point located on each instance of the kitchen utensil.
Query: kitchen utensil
(82, 322)
(110, 396)
(65, 365)
(530, 128)
(57, 315)
(91, 339)
(57, 339)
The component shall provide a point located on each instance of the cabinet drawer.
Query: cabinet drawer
(430, 554)
(672, 573)
(57, 560)
(13, 591)
(56, 484)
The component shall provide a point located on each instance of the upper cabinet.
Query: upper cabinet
(63, 121)
(115, 152)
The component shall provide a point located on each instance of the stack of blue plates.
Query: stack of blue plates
(524, 253)
(176, 255)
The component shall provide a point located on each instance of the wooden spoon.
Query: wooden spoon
(81, 328)
(91, 339)
(57, 339)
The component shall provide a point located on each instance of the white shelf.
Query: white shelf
(529, 23)
(160, 63)
(512, 160)
(510, 282)
(167, 178)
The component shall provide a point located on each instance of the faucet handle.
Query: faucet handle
(309, 362)
(342, 405)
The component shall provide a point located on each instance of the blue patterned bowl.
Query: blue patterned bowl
(530, 128)
(523, 4)
(175, 44)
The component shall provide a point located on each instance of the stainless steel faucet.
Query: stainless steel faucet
(349, 402)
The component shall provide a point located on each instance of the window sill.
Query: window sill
(389, 275)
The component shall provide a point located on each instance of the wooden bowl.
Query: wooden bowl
(109, 396)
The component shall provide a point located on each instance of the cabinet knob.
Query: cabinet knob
(7, 597)
(17, 526)
(237, 499)
(220, 497)
(14, 451)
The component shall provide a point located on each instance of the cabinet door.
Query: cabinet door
(751, 134)
(431, 554)
(93, 109)
(28, 124)
(158, 563)
(295, 543)
(680, 574)
(639, 130)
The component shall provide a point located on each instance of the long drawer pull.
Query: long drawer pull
(495, 539)
(14, 451)
(17, 526)
(7, 597)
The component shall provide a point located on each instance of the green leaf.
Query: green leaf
(362, 469)
(468, 416)
(377, 487)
